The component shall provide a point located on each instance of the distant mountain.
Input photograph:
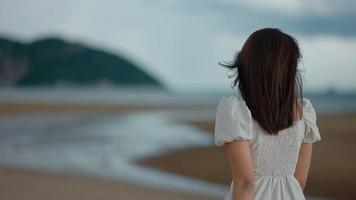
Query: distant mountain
(53, 61)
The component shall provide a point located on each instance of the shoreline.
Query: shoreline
(30, 107)
(326, 179)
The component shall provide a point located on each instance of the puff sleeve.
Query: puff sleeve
(233, 121)
(311, 133)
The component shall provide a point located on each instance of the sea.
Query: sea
(107, 145)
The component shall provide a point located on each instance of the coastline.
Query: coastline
(326, 179)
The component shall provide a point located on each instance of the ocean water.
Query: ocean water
(103, 145)
(100, 145)
(107, 145)
(323, 102)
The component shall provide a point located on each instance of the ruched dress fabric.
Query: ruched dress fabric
(274, 157)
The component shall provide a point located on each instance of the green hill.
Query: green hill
(52, 61)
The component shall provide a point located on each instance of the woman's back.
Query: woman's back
(274, 157)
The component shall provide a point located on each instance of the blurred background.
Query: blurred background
(116, 99)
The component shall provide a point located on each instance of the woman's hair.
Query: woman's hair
(268, 78)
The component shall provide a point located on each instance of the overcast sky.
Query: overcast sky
(181, 41)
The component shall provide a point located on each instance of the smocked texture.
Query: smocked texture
(274, 157)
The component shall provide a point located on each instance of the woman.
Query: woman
(268, 128)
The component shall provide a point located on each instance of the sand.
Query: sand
(332, 172)
(19, 107)
(21, 184)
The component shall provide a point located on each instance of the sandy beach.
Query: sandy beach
(20, 184)
(16, 107)
(23, 183)
(331, 172)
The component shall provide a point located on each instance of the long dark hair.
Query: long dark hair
(268, 78)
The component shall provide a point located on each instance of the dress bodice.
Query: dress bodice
(273, 156)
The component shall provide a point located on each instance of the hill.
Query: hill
(53, 61)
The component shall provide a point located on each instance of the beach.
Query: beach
(331, 173)
(20, 184)
(51, 182)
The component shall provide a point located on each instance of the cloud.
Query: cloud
(329, 61)
(298, 8)
(297, 16)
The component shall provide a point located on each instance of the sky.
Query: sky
(181, 42)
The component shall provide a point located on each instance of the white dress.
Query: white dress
(274, 157)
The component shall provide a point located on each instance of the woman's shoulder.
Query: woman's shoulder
(308, 107)
(232, 103)
(236, 103)
(312, 133)
(232, 100)
(228, 100)
(233, 120)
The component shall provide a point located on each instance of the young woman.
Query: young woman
(267, 128)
